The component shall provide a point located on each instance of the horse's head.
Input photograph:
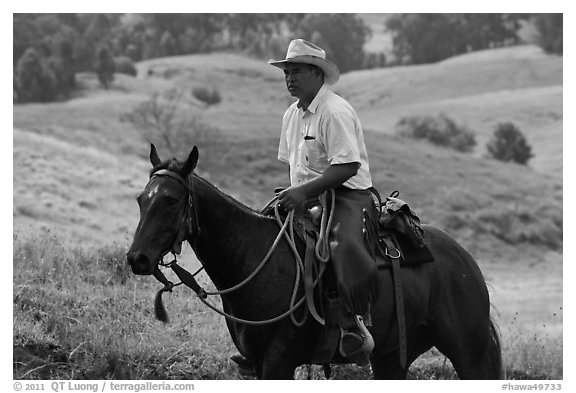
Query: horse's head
(165, 208)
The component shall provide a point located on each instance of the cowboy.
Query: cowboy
(322, 141)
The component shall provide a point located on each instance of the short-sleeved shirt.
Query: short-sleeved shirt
(328, 132)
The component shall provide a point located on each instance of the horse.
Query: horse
(446, 302)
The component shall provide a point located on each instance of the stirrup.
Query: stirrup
(357, 346)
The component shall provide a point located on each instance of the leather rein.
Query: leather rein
(190, 229)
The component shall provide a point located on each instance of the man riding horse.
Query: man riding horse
(322, 141)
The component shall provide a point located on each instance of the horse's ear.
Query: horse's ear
(154, 159)
(191, 162)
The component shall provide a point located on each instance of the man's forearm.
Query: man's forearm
(334, 176)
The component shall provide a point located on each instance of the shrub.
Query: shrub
(440, 130)
(509, 144)
(125, 65)
(208, 97)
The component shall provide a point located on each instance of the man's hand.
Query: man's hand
(292, 198)
(334, 176)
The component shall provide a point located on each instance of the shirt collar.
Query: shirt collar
(317, 100)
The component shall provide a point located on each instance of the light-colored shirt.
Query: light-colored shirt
(328, 132)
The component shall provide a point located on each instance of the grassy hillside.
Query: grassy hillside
(78, 168)
(482, 89)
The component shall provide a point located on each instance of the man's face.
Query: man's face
(302, 80)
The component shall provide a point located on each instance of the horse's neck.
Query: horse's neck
(228, 230)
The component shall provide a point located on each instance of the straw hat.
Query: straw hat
(301, 51)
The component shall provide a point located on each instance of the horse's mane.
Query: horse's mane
(176, 165)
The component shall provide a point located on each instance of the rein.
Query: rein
(188, 279)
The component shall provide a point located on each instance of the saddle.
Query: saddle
(400, 234)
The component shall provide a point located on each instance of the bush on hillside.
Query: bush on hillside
(124, 65)
(508, 144)
(207, 96)
(440, 130)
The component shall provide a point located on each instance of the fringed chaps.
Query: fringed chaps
(354, 267)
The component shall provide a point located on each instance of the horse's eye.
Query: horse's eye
(171, 200)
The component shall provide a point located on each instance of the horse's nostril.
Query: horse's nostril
(138, 263)
(130, 258)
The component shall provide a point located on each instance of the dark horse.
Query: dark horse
(446, 302)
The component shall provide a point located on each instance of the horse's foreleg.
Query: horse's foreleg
(277, 371)
(388, 367)
(280, 360)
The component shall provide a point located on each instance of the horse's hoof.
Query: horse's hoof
(245, 367)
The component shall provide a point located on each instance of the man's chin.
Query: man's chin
(293, 92)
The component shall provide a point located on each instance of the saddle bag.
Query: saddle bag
(396, 216)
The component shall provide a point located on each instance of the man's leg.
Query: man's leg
(356, 274)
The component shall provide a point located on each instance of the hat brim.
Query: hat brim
(331, 71)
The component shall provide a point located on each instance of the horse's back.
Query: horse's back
(454, 270)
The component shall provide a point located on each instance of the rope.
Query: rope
(285, 227)
(322, 252)
(322, 245)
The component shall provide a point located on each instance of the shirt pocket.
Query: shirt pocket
(315, 155)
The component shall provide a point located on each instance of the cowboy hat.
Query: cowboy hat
(301, 51)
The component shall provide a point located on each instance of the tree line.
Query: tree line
(426, 38)
(49, 49)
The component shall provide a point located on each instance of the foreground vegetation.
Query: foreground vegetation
(79, 313)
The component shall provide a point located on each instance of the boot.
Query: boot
(356, 342)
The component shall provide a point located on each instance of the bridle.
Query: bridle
(189, 229)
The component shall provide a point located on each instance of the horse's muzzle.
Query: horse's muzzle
(140, 263)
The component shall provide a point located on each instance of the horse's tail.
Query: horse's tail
(493, 356)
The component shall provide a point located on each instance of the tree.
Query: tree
(166, 118)
(509, 144)
(104, 66)
(97, 34)
(550, 29)
(63, 64)
(25, 35)
(425, 38)
(34, 80)
(167, 45)
(422, 38)
(342, 36)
